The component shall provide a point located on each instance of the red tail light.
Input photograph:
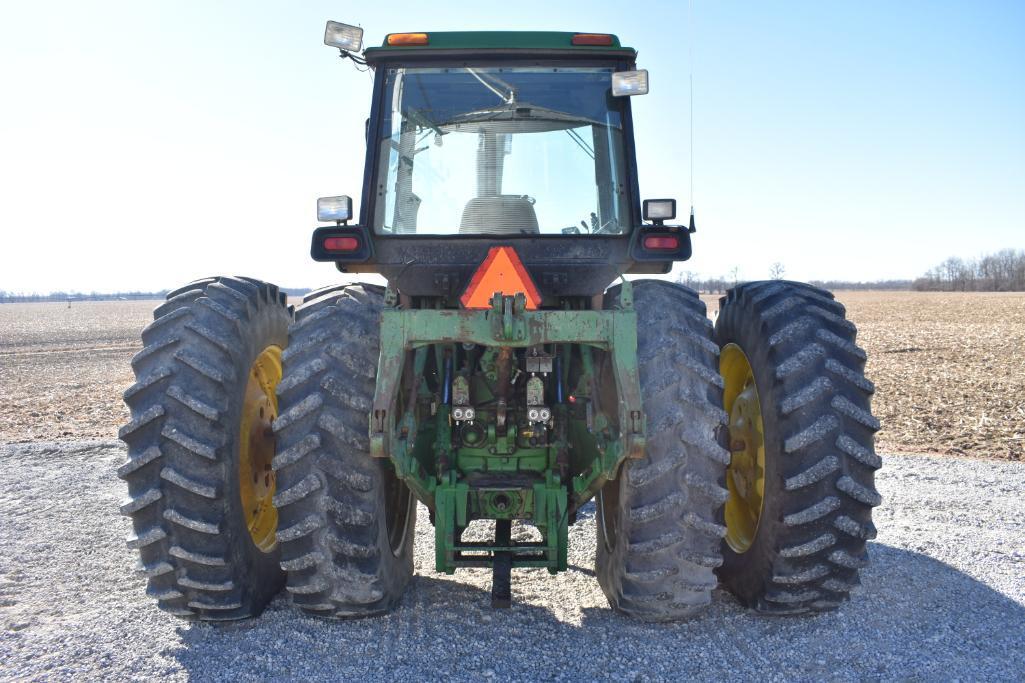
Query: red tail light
(592, 39)
(341, 244)
(667, 242)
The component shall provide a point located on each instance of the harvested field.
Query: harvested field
(949, 369)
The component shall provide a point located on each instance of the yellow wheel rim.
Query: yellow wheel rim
(256, 448)
(745, 476)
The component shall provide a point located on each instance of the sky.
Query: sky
(146, 144)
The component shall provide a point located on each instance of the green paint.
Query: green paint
(491, 40)
(464, 472)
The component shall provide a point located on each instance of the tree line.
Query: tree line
(71, 297)
(720, 283)
(17, 297)
(1003, 271)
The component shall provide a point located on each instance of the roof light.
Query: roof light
(626, 83)
(343, 36)
(341, 244)
(592, 39)
(662, 242)
(407, 39)
(334, 209)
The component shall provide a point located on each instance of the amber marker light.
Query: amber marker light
(407, 39)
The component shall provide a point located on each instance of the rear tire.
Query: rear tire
(819, 460)
(658, 521)
(184, 448)
(346, 521)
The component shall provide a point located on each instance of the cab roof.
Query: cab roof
(526, 43)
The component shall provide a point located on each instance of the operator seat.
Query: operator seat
(505, 214)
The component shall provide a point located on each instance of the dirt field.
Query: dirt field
(949, 369)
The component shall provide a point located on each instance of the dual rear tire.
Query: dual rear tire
(218, 518)
(199, 471)
(800, 432)
(769, 414)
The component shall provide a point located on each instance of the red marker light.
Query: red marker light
(662, 242)
(592, 39)
(341, 244)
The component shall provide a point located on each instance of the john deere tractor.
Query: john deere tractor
(502, 377)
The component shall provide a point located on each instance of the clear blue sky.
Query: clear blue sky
(144, 144)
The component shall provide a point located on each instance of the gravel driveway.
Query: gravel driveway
(943, 599)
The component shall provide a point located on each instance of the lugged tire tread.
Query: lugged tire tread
(660, 567)
(185, 375)
(328, 483)
(826, 459)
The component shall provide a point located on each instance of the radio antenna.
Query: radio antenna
(691, 51)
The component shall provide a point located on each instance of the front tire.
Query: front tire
(199, 451)
(658, 528)
(801, 436)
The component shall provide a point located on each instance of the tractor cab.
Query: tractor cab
(518, 138)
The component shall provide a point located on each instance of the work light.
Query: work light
(343, 36)
(626, 83)
(658, 210)
(334, 209)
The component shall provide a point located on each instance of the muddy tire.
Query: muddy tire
(659, 533)
(184, 449)
(346, 521)
(819, 460)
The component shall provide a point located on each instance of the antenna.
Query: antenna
(691, 55)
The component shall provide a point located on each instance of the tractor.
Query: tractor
(506, 376)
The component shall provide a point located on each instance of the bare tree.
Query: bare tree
(1003, 271)
(776, 271)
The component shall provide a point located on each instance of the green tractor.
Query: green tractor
(500, 378)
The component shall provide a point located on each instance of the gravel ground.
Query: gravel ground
(944, 599)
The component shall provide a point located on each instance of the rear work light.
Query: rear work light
(338, 209)
(592, 39)
(662, 242)
(343, 36)
(407, 39)
(629, 83)
(343, 244)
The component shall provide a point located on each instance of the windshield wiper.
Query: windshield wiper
(508, 97)
(519, 112)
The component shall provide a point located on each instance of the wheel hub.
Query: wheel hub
(256, 448)
(745, 476)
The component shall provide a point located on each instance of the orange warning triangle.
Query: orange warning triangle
(502, 271)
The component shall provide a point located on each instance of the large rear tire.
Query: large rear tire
(199, 448)
(658, 521)
(347, 522)
(801, 433)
